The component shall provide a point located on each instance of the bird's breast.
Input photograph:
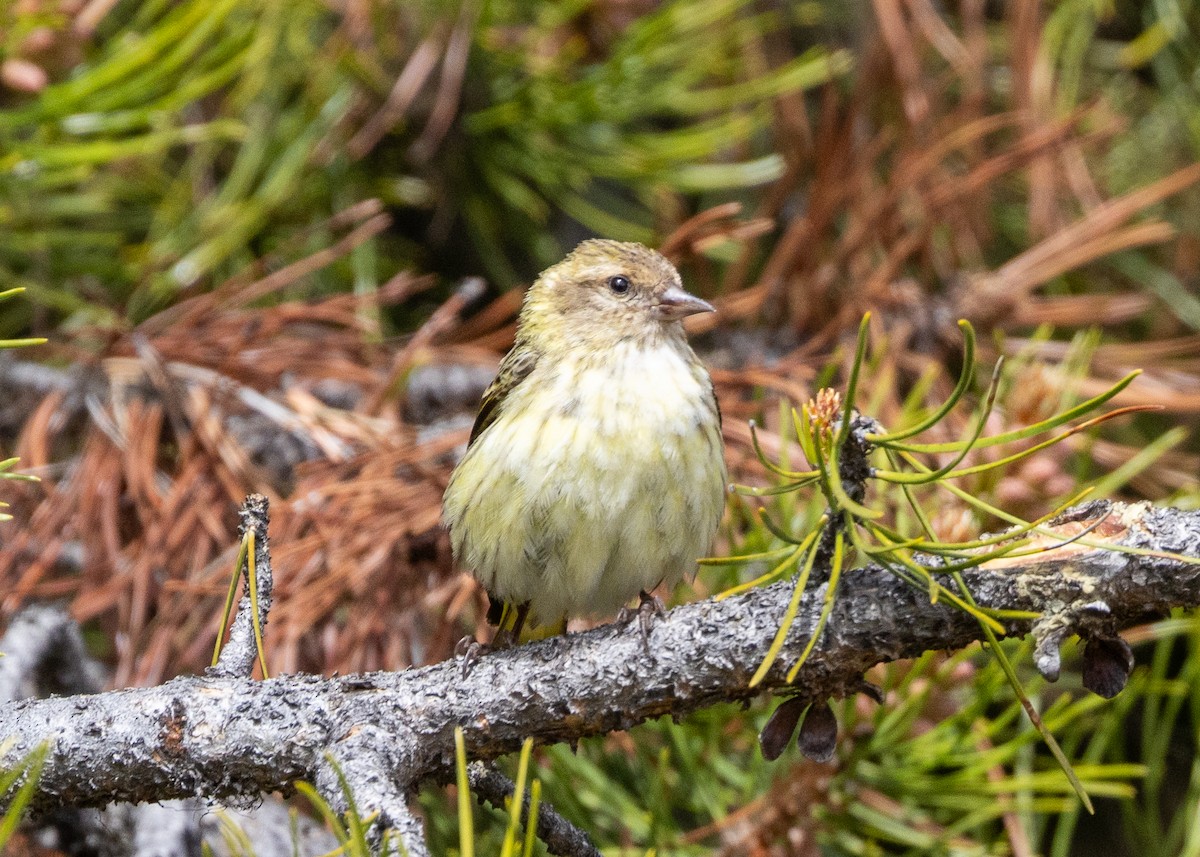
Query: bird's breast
(603, 476)
(616, 409)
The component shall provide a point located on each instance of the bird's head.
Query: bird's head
(605, 288)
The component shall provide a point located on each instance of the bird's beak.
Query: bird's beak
(675, 304)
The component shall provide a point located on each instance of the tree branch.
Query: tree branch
(361, 772)
(43, 653)
(230, 738)
(560, 836)
(240, 651)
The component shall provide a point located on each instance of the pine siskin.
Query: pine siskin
(595, 468)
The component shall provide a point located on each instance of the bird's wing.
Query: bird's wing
(712, 393)
(514, 369)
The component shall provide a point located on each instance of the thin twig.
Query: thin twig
(560, 836)
(239, 653)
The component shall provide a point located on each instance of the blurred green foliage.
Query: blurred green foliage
(669, 107)
(182, 148)
(200, 136)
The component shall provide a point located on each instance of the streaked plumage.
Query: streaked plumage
(595, 468)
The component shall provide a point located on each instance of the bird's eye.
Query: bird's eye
(618, 284)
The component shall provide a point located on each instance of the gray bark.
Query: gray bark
(233, 738)
(240, 651)
(44, 653)
(560, 836)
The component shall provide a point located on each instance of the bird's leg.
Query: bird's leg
(508, 637)
(649, 608)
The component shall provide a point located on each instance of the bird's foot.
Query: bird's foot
(649, 608)
(471, 650)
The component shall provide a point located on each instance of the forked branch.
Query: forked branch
(237, 738)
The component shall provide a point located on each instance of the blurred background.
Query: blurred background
(255, 234)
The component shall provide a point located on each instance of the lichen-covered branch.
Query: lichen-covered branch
(234, 737)
(241, 650)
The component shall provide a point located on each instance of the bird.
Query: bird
(595, 469)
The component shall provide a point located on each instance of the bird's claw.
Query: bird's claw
(470, 651)
(649, 608)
